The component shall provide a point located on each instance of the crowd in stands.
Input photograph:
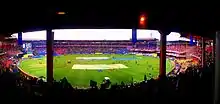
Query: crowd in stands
(80, 50)
(176, 48)
(115, 46)
(195, 51)
(191, 85)
(7, 56)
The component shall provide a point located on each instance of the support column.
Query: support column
(163, 39)
(213, 50)
(134, 35)
(203, 52)
(50, 38)
(20, 42)
(217, 69)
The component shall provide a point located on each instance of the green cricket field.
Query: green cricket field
(79, 69)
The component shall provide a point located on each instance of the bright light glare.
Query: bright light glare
(92, 34)
(154, 34)
(61, 13)
(142, 18)
(23, 45)
(99, 34)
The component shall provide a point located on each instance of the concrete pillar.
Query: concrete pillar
(213, 50)
(50, 38)
(134, 36)
(20, 42)
(162, 72)
(217, 69)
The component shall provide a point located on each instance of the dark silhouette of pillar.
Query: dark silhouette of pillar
(213, 50)
(217, 69)
(134, 35)
(203, 52)
(162, 72)
(50, 38)
(20, 42)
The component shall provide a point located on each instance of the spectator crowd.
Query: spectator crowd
(193, 85)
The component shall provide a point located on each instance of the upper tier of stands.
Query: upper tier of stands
(181, 50)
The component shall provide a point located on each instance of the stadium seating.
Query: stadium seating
(179, 50)
(192, 85)
(70, 47)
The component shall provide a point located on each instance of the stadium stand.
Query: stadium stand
(187, 83)
(193, 86)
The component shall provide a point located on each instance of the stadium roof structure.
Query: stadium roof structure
(186, 19)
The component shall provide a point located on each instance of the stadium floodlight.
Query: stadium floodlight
(143, 21)
(61, 13)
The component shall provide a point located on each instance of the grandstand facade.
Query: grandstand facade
(107, 41)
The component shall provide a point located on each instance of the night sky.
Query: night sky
(199, 21)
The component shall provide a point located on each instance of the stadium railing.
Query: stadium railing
(2, 53)
(25, 73)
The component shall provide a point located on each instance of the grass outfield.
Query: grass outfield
(109, 68)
